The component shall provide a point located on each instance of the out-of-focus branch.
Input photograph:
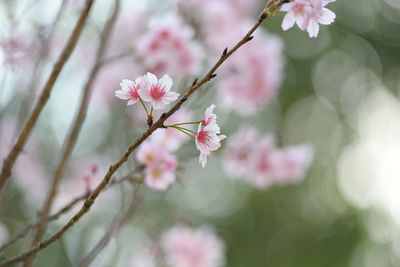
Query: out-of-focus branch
(44, 96)
(158, 124)
(75, 130)
(28, 97)
(65, 209)
(113, 229)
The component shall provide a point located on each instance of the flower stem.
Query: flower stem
(144, 106)
(177, 127)
(183, 123)
(183, 130)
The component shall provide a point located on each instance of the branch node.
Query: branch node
(249, 39)
(194, 82)
(212, 76)
(225, 52)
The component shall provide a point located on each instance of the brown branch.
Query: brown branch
(44, 96)
(113, 228)
(74, 132)
(113, 168)
(64, 210)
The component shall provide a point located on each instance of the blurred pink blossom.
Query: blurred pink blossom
(291, 163)
(186, 247)
(171, 139)
(237, 156)
(169, 47)
(109, 78)
(150, 153)
(162, 175)
(253, 76)
(262, 169)
(160, 166)
(17, 50)
(263, 164)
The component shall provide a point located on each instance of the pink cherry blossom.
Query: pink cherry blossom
(238, 154)
(157, 92)
(296, 13)
(307, 14)
(169, 47)
(208, 139)
(319, 15)
(129, 90)
(171, 139)
(186, 247)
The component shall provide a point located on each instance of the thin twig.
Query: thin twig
(44, 96)
(64, 210)
(113, 168)
(74, 132)
(114, 227)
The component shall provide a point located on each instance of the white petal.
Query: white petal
(287, 7)
(169, 97)
(325, 2)
(122, 95)
(302, 22)
(151, 78)
(157, 104)
(288, 21)
(167, 81)
(132, 101)
(327, 17)
(203, 159)
(144, 94)
(313, 29)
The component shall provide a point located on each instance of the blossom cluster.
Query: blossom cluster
(183, 246)
(261, 163)
(307, 14)
(155, 153)
(148, 88)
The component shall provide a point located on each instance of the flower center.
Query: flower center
(156, 173)
(149, 158)
(157, 91)
(202, 136)
(134, 91)
(298, 8)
